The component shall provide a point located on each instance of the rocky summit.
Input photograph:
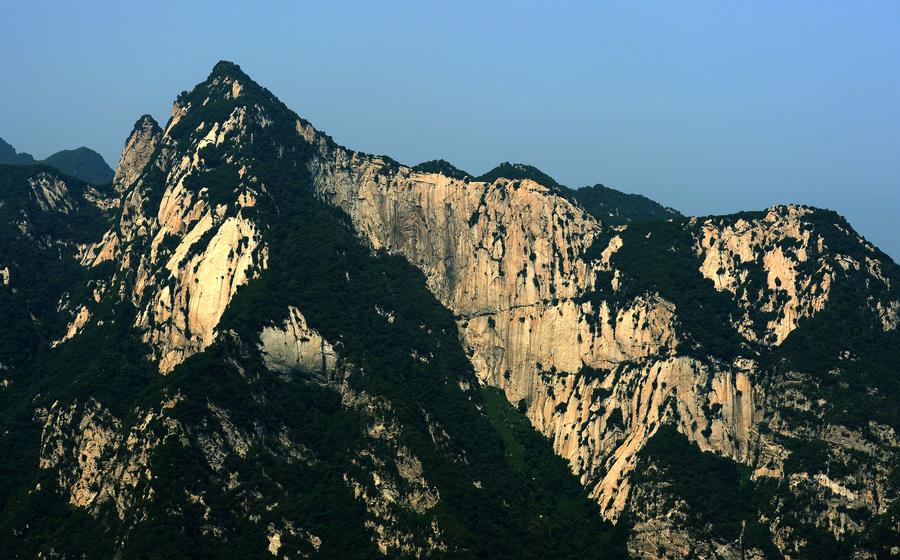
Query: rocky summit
(258, 343)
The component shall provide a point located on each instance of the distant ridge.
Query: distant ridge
(82, 163)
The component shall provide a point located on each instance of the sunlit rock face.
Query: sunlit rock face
(295, 346)
(51, 193)
(138, 150)
(188, 235)
(543, 298)
(96, 459)
(599, 377)
(183, 254)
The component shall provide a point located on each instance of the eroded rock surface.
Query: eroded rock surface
(599, 377)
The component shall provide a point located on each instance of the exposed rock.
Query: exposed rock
(51, 193)
(598, 379)
(137, 152)
(596, 367)
(98, 461)
(296, 347)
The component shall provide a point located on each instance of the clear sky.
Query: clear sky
(709, 107)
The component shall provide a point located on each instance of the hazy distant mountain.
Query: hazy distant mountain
(9, 155)
(256, 342)
(82, 163)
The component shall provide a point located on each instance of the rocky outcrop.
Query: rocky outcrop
(51, 193)
(384, 474)
(388, 479)
(187, 257)
(779, 244)
(138, 150)
(597, 376)
(296, 347)
(542, 312)
(97, 459)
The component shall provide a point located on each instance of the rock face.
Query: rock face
(781, 244)
(97, 461)
(295, 294)
(46, 221)
(186, 259)
(233, 360)
(138, 150)
(599, 375)
(295, 346)
(51, 194)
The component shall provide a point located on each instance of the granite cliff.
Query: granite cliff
(460, 366)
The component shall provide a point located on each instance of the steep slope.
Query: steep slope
(250, 378)
(295, 348)
(719, 327)
(46, 219)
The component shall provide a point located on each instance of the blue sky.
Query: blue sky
(710, 107)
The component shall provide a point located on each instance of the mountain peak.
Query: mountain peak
(145, 122)
(83, 163)
(227, 69)
(8, 154)
(443, 167)
(519, 171)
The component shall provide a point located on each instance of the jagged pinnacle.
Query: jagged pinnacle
(145, 122)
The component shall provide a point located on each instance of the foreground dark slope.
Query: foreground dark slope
(44, 217)
(382, 445)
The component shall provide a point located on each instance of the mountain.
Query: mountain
(615, 207)
(245, 376)
(45, 218)
(8, 155)
(442, 167)
(519, 171)
(82, 163)
(271, 344)
(607, 205)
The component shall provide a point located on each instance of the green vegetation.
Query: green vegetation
(443, 167)
(658, 257)
(519, 171)
(614, 207)
(494, 501)
(84, 163)
(845, 346)
(41, 262)
(503, 492)
(8, 155)
(718, 491)
(549, 481)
